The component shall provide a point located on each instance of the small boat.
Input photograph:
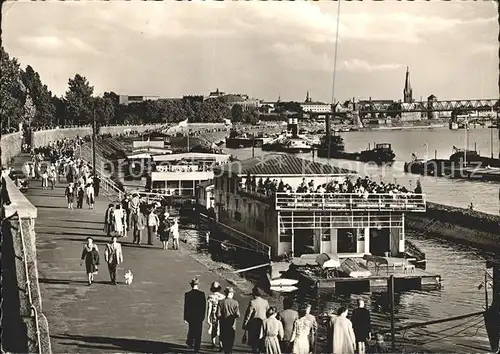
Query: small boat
(288, 145)
(381, 153)
(284, 289)
(283, 282)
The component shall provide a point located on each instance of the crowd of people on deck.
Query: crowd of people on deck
(271, 331)
(363, 187)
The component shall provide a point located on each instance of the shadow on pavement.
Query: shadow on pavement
(68, 281)
(122, 344)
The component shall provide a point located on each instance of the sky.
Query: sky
(263, 49)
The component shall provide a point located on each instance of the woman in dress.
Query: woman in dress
(164, 230)
(118, 216)
(70, 195)
(90, 255)
(89, 191)
(300, 335)
(341, 333)
(174, 231)
(212, 307)
(273, 332)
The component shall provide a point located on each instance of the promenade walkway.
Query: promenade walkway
(146, 316)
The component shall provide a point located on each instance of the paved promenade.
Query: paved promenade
(146, 316)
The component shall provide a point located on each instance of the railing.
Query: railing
(34, 312)
(289, 220)
(351, 202)
(227, 222)
(108, 185)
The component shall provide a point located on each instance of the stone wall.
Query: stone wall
(20, 231)
(11, 143)
(10, 146)
(460, 225)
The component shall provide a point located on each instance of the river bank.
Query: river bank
(460, 225)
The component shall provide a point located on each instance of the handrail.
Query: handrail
(28, 285)
(351, 201)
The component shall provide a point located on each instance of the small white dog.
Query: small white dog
(129, 277)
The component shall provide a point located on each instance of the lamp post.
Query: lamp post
(94, 134)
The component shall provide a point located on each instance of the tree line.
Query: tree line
(25, 99)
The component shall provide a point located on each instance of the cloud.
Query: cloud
(359, 65)
(53, 44)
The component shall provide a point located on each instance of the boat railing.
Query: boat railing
(351, 202)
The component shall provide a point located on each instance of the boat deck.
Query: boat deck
(404, 279)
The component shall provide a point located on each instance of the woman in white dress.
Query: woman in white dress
(300, 335)
(89, 191)
(118, 220)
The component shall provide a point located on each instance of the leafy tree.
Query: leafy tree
(79, 102)
(60, 111)
(236, 113)
(104, 111)
(42, 98)
(12, 93)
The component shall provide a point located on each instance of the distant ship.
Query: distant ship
(290, 142)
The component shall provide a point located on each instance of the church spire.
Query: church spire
(308, 99)
(407, 92)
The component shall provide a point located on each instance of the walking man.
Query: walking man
(228, 312)
(361, 323)
(138, 222)
(287, 317)
(113, 256)
(194, 313)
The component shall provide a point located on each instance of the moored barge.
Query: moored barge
(282, 207)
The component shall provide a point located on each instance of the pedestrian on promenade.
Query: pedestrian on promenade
(89, 191)
(118, 216)
(174, 231)
(152, 223)
(138, 223)
(164, 230)
(90, 255)
(70, 195)
(287, 317)
(272, 330)
(213, 314)
(228, 311)
(254, 316)
(45, 179)
(301, 332)
(361, 323)
(80, 194)
(194, 314)
(113, 256)
(314, 325)
(52, 176)
(108, 219)
(97, 184)
(341, 334)
(126, 209)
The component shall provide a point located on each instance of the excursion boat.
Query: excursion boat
(291, 142)
(242, 140)
(326, 240)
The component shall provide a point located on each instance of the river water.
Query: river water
(454, 192)
(461, 267)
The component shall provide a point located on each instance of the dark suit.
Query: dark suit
(227, 312)
(287, 318)
(194, 313)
